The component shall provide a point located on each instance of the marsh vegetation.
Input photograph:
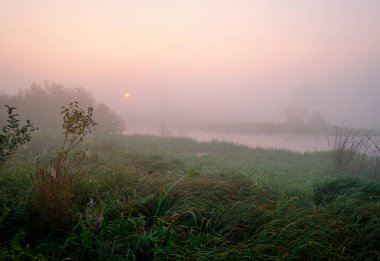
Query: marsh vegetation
(143, 197)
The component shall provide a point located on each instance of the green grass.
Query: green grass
(160, 198)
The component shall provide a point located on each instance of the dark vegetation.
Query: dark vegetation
(13, 134)
(116, 197)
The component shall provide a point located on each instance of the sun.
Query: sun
(126, 94)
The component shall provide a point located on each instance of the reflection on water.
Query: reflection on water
(301, 143)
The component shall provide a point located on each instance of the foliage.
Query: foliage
(14, 134)
(41, 102)
(76, 125)
(109, 121)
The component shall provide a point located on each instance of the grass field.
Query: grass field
(163, 198)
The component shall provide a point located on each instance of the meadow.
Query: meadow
(142, 197)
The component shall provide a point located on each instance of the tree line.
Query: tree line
(42, 103)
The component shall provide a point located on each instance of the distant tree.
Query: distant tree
(42, 103)
(108, 120)
(295, 115)
(318, 119)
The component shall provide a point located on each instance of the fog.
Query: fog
(185, 62)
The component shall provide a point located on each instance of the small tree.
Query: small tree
(14, 134)
(76, 125)
(53, 186)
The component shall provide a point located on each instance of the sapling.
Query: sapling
(76, 125)
(54, 187)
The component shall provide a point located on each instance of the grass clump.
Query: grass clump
(355, 152)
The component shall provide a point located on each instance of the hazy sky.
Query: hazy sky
(187, 59)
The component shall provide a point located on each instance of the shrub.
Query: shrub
(14, 134)
(54, 186)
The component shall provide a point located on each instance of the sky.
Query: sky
(201, 60)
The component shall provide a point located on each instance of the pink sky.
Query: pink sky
(239, 59)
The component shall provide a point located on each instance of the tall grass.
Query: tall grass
(355, 153)
(150, 198)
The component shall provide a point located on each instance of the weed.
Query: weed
(355, 153)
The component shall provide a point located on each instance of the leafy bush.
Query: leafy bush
(14, 134)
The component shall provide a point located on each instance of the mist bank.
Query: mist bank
(301, 128)
(269, 135)
(258, 128)
(274, 128)
(249, 128)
